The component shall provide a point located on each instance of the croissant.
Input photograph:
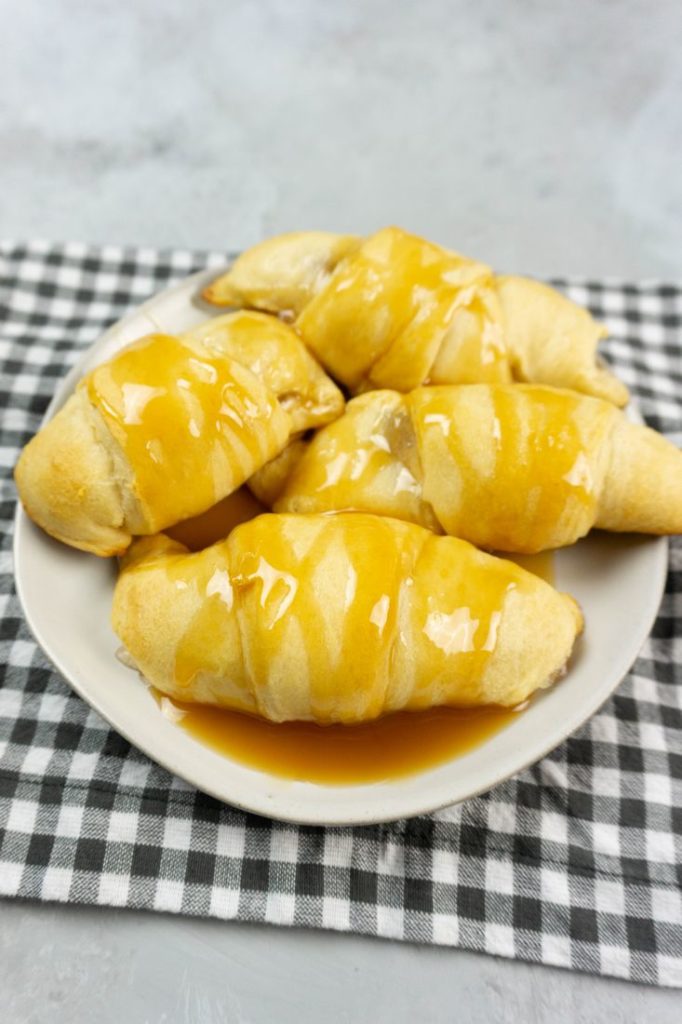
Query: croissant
(517, 468)
(274, 352)
(395, 311)
(338, 619)
(170, 426)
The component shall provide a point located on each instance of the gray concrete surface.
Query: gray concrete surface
(543, 137)
(123, 966)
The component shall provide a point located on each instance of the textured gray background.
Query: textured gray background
(542, 137)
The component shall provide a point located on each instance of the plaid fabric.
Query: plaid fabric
(575, 862)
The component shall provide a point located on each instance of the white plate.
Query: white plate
(66, 595)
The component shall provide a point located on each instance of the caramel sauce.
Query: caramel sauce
(400, 744)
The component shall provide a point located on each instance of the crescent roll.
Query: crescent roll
(395, 311)
(517, 468)
(169, 427)
(274, 352)
(339, 619)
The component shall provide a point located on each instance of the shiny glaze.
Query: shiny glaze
(338, 618)
(518, 455)
(192, 425)
(473, 350)
(391, 747)
(456, 602)
(384, 312)
(367, 461)
(276, 355)
(210, 644)
(319, 593)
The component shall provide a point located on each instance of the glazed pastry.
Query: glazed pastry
(274, 352)
(517, 468)
(394, 311)
(339, 619)
(168, 427)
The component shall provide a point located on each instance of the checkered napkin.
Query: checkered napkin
(575, 862)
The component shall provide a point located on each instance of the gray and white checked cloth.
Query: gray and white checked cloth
(575, 862)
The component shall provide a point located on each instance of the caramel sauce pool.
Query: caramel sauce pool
(387, 748)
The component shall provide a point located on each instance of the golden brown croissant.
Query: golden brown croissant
(168, 427)
(395, 311)
(516, 468)
(339, 619)
(273, 351)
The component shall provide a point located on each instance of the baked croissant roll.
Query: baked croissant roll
(517, 468)
(395, 311)
(339, 619)
(274, 352)
(169, 427)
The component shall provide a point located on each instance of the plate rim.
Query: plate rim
(293, 811)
